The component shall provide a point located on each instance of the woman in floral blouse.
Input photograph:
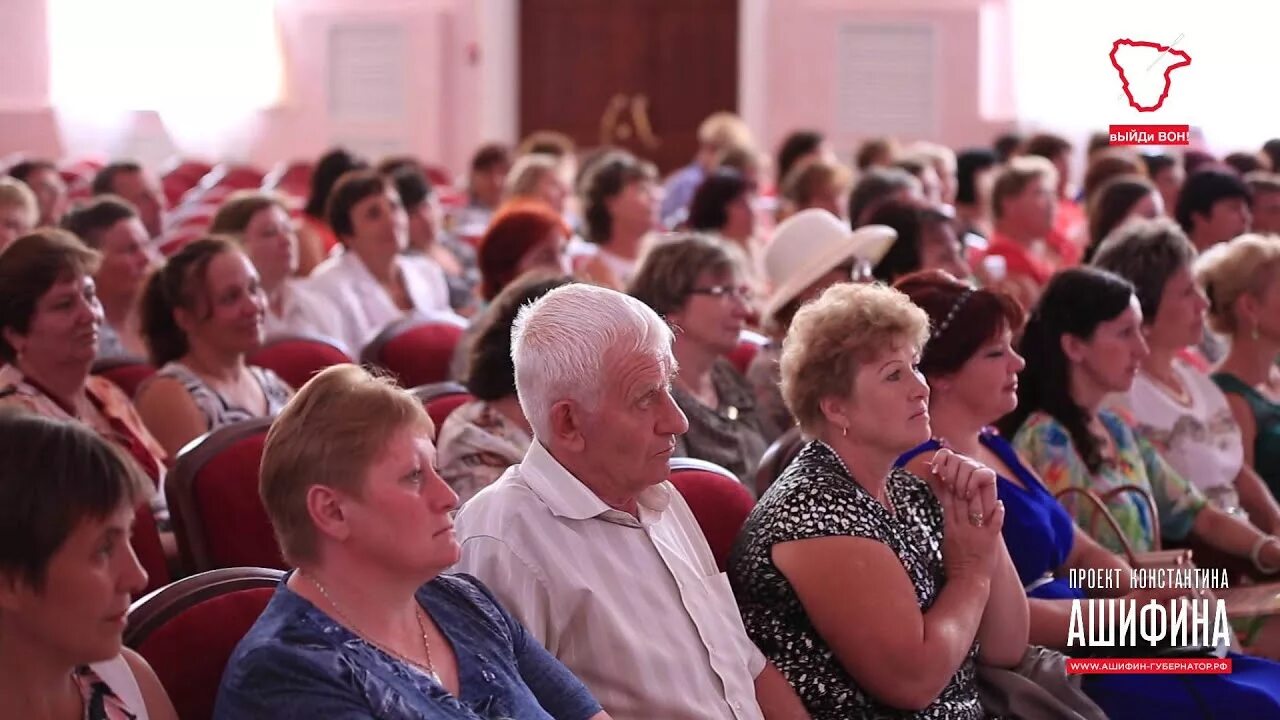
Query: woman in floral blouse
(1083, 342)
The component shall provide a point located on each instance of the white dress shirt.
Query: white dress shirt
(364, 306)
(635, 608)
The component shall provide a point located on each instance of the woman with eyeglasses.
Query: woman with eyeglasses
(698, 284)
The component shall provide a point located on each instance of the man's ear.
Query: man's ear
(567, 421)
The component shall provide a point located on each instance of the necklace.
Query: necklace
(429, 668)
(888, 501)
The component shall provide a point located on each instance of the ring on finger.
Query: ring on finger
(977, 519)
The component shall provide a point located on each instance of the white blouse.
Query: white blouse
(364, 306)
(305, 311)
(1201, 440)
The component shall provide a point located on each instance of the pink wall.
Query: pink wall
(460, 87)
(801, 42)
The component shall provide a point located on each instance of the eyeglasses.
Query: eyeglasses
(739, 292)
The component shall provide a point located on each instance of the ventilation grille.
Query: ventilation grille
(887, 80)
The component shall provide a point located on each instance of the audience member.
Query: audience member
(485, 182)
(725, 204)
(1022, 205)
(110, 226)
(138, 187)
(261, 223)
(876, 187)
(620, 198)
(944, 163)
(1241, 279)
(921, 168)
(18, 210)
(1166, 172)
(698, 285)
(587, 543)
(975, 169)
(370, 280)
(538, 177)
(202, 312)
(481, 439)
(937, 590)
(811, 251)
(1082, 343)
(457, 258)
(368, 624)
(1120, 200)
(42, 177)
(926, 239)
(1108, 164)
(876, 152)
(800, 146)
(1244, 163)
(718, 133)
(1006, 146)
(1174, 406)
(1213, 207)
(50, 320)
(316, 240)
(67, 571)
(817, 183)
(1264, 209)
(972, 370)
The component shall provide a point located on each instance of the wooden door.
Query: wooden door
(641, 74)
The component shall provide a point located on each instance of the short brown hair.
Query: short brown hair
(31, 265)
(350, 189)
(1108, 164)
(670, 269)
(90, 220)
(1046, 145)
(1014, 177)
(849, 325)
(238, 209)
(606, 178)
(1246, 264)
(806, 180)
(329, 434)
(54, 475)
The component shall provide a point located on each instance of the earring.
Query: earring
(844, 431)
(1255, 331)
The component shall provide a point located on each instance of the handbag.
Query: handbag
(1150, 559)
(1037, 688)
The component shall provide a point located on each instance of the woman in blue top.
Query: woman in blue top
(366, 626)
(972, 372)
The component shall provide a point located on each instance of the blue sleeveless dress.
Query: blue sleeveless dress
(1039, 534)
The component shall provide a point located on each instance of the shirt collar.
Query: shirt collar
(566, 496)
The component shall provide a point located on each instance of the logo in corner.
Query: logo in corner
(1135, 60)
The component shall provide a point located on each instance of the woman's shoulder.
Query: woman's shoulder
(454, 594)
(1041, 427)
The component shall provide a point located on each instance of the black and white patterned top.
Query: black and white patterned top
(817, 497)
(216, 409)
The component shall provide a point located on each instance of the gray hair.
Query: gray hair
(560, 342)
(1146, 253)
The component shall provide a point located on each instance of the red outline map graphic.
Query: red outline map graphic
(1115, 47)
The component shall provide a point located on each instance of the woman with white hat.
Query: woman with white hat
(811, 251)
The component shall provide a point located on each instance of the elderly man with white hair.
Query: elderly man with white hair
(589, 545)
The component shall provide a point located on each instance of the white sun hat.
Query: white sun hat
(812, 243)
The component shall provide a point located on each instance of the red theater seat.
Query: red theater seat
(146, 545)
(417, 348)
(126, 372)
(295, 358)
(218, 517)
(188, 630)
(442, 398)
(718, 501)
(776, 458)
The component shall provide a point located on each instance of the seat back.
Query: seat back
(217, 513)
(146, 545)
(295, 358)
(777, 457)
(442, 398)
(128, 373)
(719, 502)
(188, 630)
(417, 348)
(749, 343)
